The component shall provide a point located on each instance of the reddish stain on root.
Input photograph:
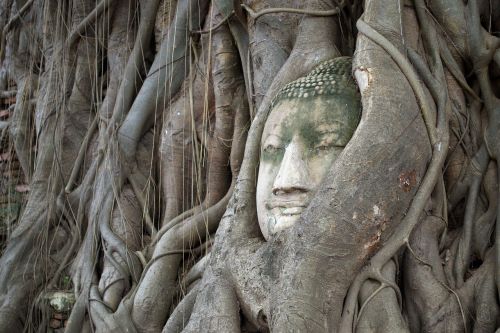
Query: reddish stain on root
(373, 243)
(376, 230)
(407, 180)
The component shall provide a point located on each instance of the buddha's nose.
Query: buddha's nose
(293, 175)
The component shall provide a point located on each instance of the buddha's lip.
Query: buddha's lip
(285, 204)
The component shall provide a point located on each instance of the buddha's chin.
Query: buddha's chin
(283, 221)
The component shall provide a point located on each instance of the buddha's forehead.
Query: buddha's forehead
(321, 113)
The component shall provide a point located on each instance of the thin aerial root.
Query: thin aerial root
(365, 303)
(409, 73)
(144, 207)
(423, 262)
(110, 284)
(176, 220)
(142, 259)
(180, 317)
(9, 25)
(454, 69)
(123, 271)
(215, 27)
(91, 18)
(81, 154)
(321, 13)
(464, 248)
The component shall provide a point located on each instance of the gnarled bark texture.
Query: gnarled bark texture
(137, 129)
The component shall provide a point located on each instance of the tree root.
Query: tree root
(462, 258)
(164, 273)
(133, 277)
(180, 317)
(81, 154)
(144, 206)
(9, 25)
(404, 229)
(91, 18)
(321, 13)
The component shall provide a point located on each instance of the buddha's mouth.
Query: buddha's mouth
(286, 205)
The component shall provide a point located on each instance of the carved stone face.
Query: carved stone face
(301, 139)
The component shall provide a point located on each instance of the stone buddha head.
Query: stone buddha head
(311, 121)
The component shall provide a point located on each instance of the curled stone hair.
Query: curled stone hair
(330, 78)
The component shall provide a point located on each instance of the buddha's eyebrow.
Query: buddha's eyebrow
(325, 129)
(333, 126)
(326, 122)
(270, 136)
(328, 131)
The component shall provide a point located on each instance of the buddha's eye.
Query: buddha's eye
(327, 142)
(326, 147)
(322, 148)
(273, 149)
